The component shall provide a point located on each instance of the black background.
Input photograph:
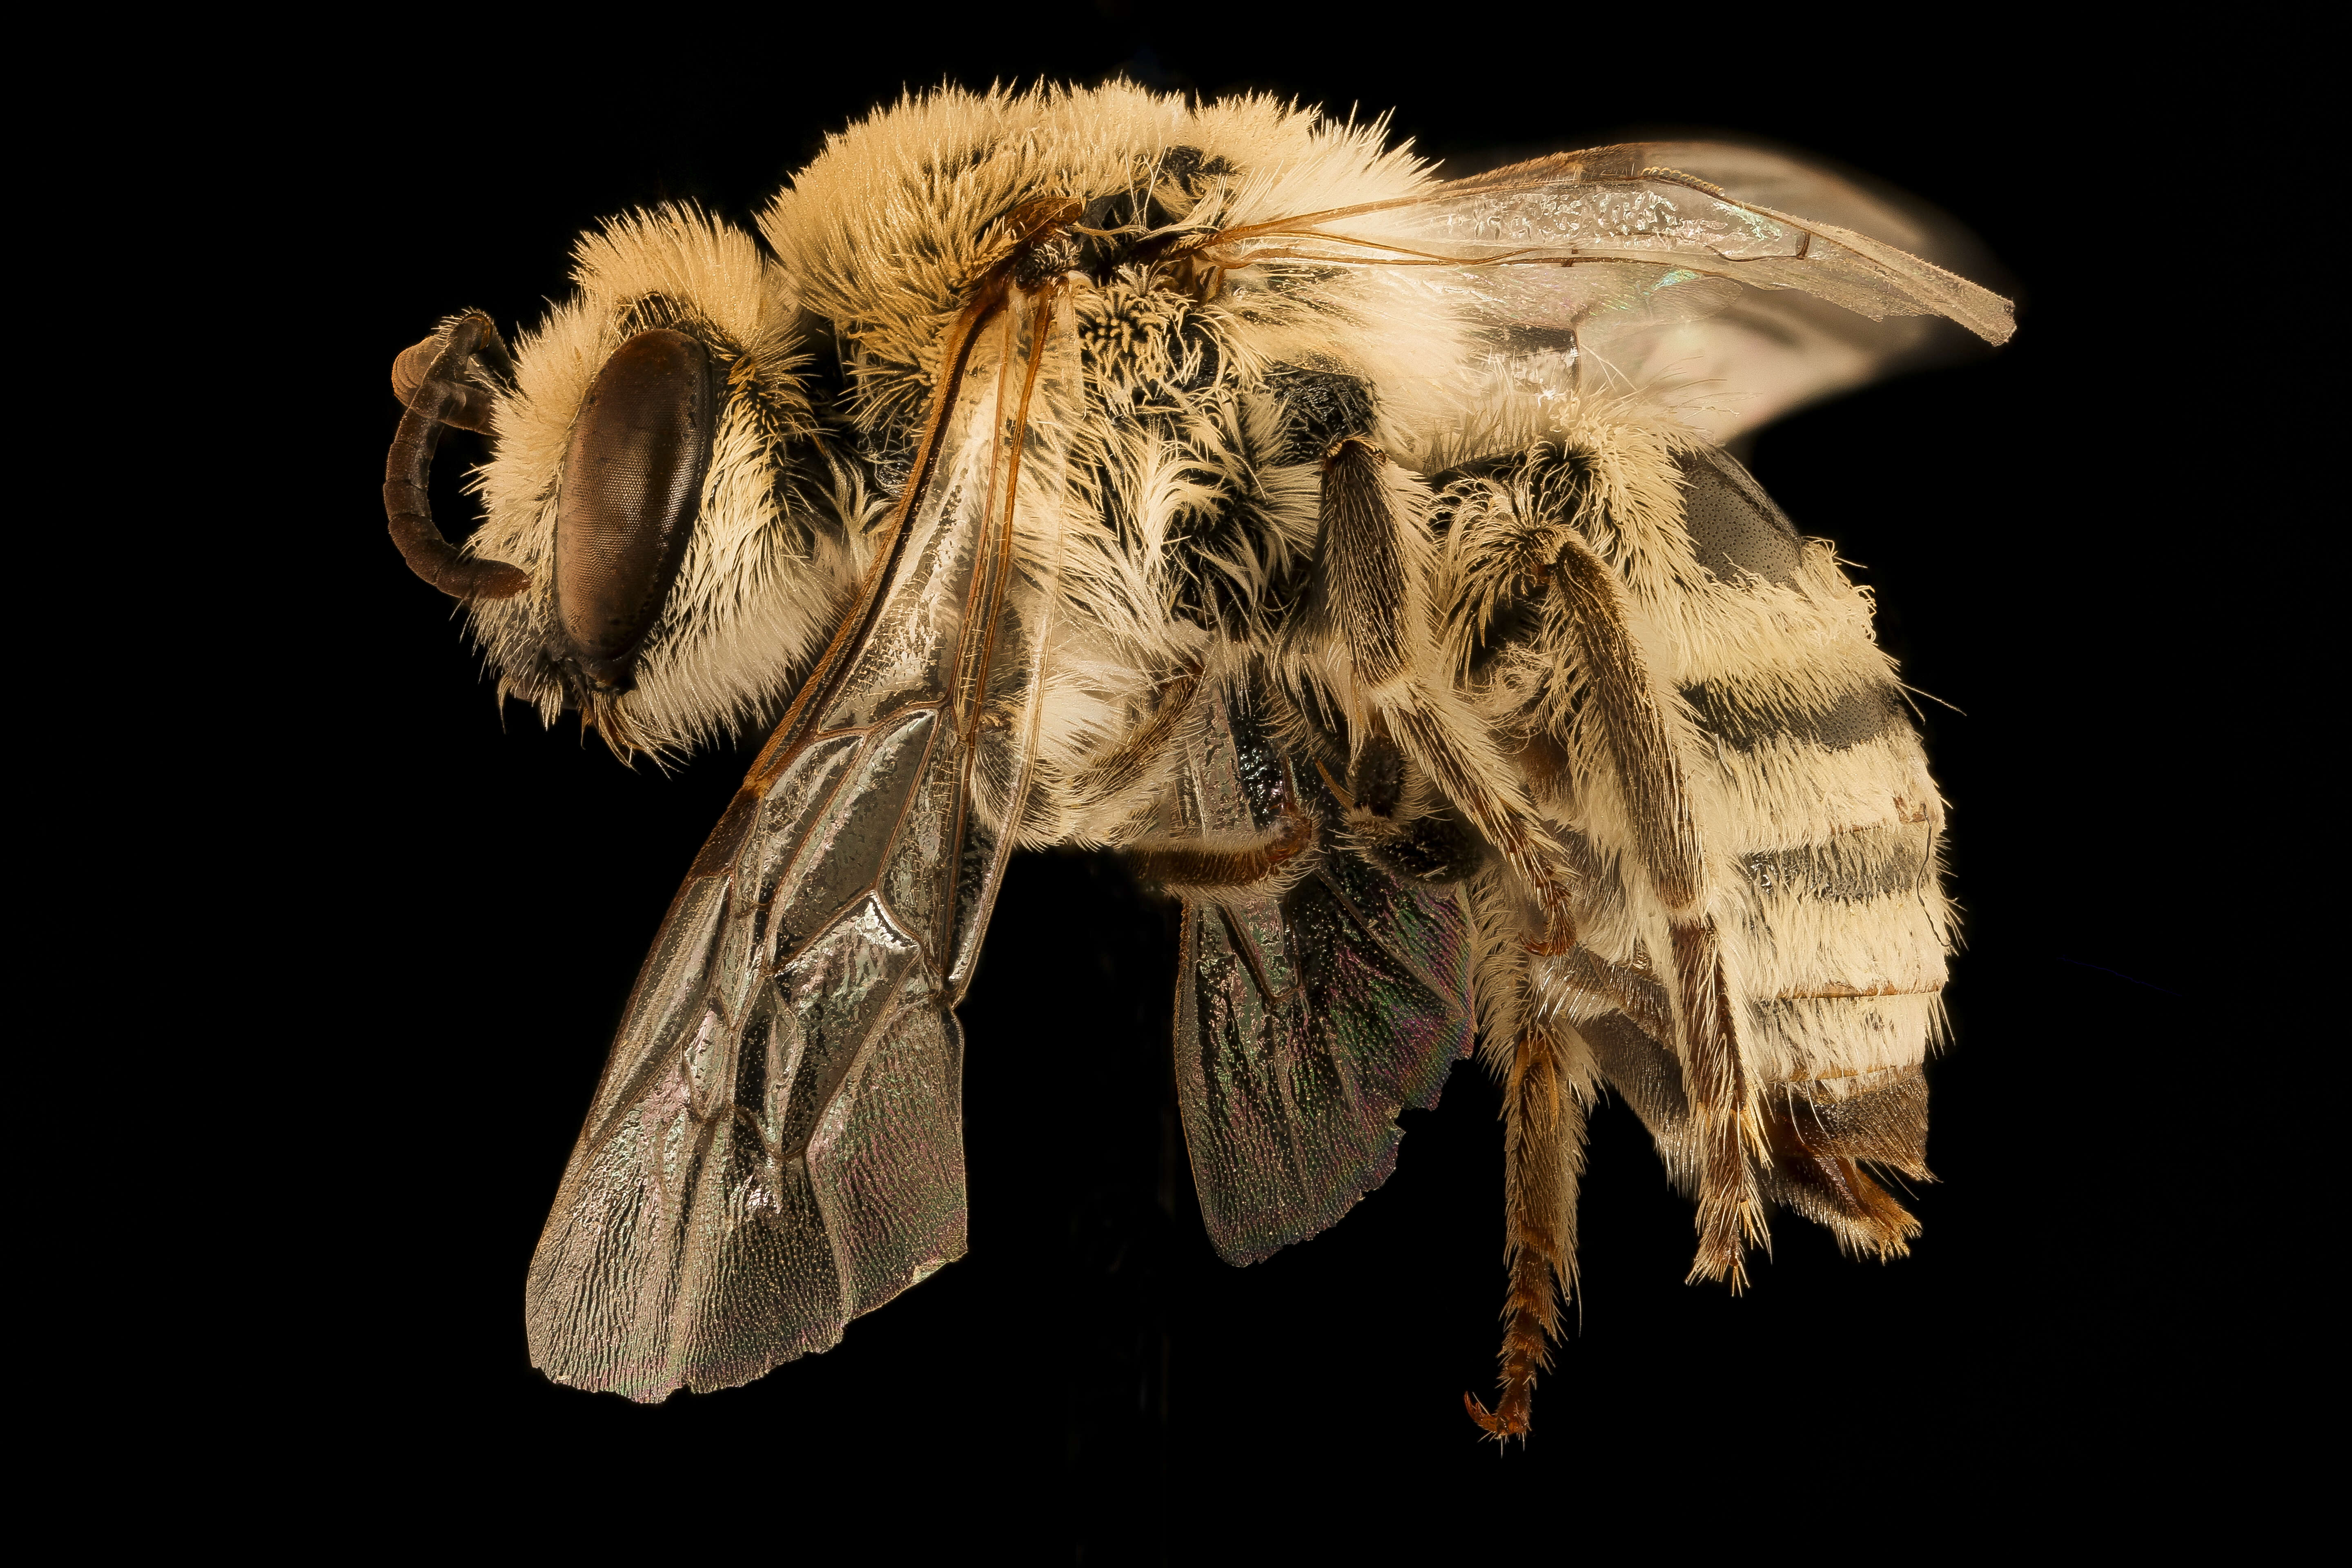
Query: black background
(1090, 1384)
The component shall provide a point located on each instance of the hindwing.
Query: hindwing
(1307, 1016)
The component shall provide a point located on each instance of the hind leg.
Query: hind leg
(1549, 1080)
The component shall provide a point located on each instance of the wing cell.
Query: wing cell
(778, 1143)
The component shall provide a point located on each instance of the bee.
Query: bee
(1358, 553)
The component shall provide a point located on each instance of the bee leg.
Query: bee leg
(1436, 848)
(1833, 1191)
(1363, 602)
(1543, 1148)
(1376, 781)
(1392, 812)
(1120, 767)
(1730, 1211)
(433, 392)
(1199, 869)
(1813, 1174)
(1549, 1078)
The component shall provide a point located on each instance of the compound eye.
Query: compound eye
(631, 489)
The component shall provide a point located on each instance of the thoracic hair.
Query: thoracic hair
(1196, 485)
(1191, 514)
(1579, 669)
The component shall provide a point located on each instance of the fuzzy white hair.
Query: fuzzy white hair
(1523, 652)
(774, 554)
(879, 241)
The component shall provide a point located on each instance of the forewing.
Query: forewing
(777, 1143)
(1306, 1020)
(1669, 261)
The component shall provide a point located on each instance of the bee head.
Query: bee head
(661, 476)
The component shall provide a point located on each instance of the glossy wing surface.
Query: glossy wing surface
(1305, 1020)
(1668, 260)
(776, 1145)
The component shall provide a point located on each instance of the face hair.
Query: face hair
(1205, 480)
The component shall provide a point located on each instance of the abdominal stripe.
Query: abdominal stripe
(1862, 713)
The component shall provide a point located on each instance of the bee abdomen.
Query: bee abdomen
(1880, 1117)
(1872, 862)
(1845, 721)
(1735, 530)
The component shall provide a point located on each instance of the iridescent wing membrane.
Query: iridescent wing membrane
(1306, 1018)
(777, 1143)
(1634, 257)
